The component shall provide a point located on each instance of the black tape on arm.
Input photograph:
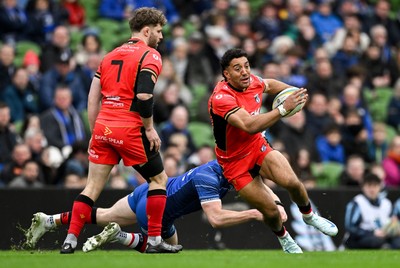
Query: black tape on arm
(145, 107)
(145, 83)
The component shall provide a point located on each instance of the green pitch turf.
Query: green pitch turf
(201, 258)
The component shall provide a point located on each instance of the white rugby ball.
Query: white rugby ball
(281, 97)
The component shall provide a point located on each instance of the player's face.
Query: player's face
(238, 73)
(155, 36)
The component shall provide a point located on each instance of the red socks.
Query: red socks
(155, 206)
(81, 214)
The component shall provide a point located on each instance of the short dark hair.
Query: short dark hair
(229, 55)
(146, 16)
(371, 178)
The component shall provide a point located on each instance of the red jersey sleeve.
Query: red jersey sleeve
(223, 103)
(152, 62)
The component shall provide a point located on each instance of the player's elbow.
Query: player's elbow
(216, 222)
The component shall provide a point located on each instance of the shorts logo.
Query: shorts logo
(107, 131)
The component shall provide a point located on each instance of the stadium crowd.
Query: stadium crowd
(345, 52)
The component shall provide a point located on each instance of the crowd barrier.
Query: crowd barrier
(194, 232)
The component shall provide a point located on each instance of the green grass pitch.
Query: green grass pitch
(201, 258)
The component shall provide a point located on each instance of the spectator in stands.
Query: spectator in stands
(378, 146)
(366, 217)
(317, 114)
(301, 164)
(347, 56)
(334, 110)
(41, 21)
(20, 154)
(7, 66)
(90, 44)
(36, 141)
(59, 46)
(381, 16)
(325, 21)
(352, 103)
(170, 166)
(66, 74)
(116, 10)
(13, 22)
(62, 124)
(50, 160)
(324, 79)
(198, 70)
(267, 25)
(29, 178)
(296, 135)
(31, 63)
(305, 36)
(76, 163)
(165, 102)
(20, 96)
(379, 73)
(391, 163)
(76, 13)
(393, 115)
(354, 171)
(204, 154)
(330, 146)
(73, 181)
(178, 123)
(352, 27)
(8, 138)
(355, 135)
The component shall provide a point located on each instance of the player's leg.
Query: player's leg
(257, 196)
(82, 207)
(276, 168)
(121, 213)
(153, 172)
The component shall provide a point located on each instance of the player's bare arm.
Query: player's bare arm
(219, 217)
(253, 124)
(94, 101)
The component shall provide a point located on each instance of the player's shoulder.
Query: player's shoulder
(222, 91)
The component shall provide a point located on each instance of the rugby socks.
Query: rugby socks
(64, 218)
(306, 210)
(81, 214)
(281, 233)
(132, 240)
(155, 206)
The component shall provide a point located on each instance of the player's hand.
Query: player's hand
(154, 139)
(257, 215)
(298, 97)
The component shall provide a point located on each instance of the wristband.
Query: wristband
(282, 110)
(279, 203)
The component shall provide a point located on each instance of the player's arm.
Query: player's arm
(145, 86)
(273, 86)
(94, 101)
(256, 123)
(219, 217)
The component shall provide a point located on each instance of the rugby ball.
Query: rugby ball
(281, 97)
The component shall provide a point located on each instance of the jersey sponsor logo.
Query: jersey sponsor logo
(93, 154)
(113, 98)
(156, 57)
(263, 148)
(110, 140)
(107, 131)
(218, 97)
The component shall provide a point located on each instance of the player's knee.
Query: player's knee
(270, 212)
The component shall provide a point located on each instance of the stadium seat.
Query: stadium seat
(201, 133)
(327, 173)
